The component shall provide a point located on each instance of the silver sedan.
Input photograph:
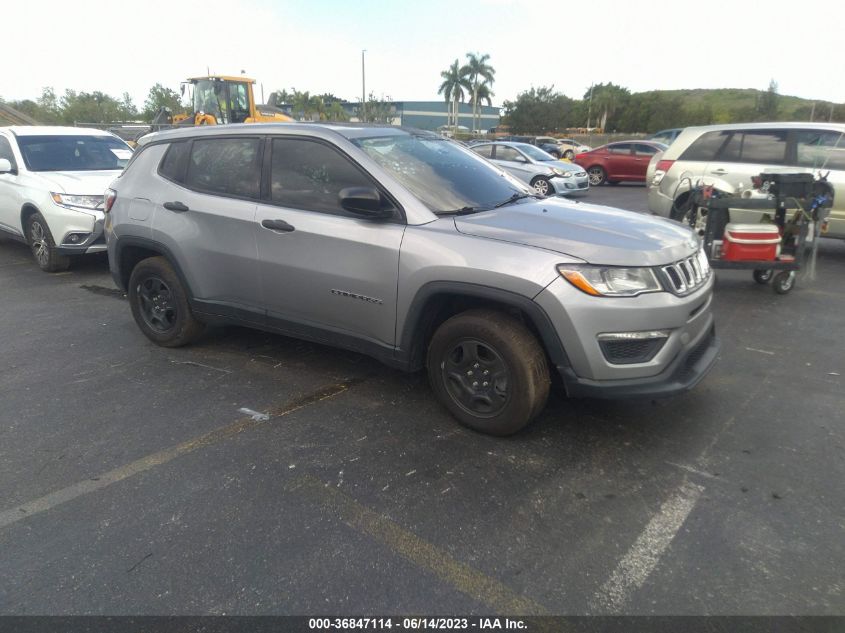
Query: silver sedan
(548, 175)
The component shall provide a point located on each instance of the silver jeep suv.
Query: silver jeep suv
(408, 247)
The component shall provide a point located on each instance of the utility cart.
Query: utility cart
(793, 214)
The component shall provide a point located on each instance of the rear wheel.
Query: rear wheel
(43, 246)
(763, 276)
(159, 304)
(543, 186)
(489, 371)
(783, 281)
(597, 175)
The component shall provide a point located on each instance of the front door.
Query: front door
(513, 162)
(324, 271)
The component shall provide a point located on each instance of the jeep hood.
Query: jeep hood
(593, 233)
(82, 183)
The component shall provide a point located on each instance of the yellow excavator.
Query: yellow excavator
(216, 100)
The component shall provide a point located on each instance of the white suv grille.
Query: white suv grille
(687, 275)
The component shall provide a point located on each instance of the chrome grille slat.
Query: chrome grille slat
(685, 275)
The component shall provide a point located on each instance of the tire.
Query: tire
(569, 154)
(543, 186)
(763, 275)
(680, 208)
(43, 246)
(159, 304)
(479, 344)
(597, 175)
(783, 282)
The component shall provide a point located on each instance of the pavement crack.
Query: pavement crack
(138, 564)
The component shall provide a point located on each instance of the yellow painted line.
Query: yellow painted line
(74, 491)
(418, 551)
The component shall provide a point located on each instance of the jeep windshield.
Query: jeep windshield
(73, 152)
(444, 176)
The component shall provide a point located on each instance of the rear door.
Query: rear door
(204, 212)
(745, 154)
(324, 271)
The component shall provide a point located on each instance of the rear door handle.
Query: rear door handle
(176, 206)
(277, 225)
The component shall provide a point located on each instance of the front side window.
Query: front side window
(310, 175)
(820, 149)
(228, 166)
(503, 152)
(755, 146)
(444, 176)
(537, 154)
(73, 153)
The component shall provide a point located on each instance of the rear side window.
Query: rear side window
(619, 148)
(755, 146)
(175, 161)
(227, 166)
(819, 149)
(310, 175)
(705, 147)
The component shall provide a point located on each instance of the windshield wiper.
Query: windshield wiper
(463, 211)
(514, 198)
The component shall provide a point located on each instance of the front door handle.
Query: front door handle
(719, 172)
(176, 206)
(277, 225)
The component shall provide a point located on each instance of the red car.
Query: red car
(615, 162)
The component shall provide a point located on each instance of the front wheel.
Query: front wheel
(597, 175)
(489, 371)
(43, 246)
(569, 154)
(159, 304)
(543, 186)
(784, 281)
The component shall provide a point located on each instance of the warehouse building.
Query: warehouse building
(431, 115)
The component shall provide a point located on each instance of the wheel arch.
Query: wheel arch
(27, 210)
(130, 251)
(438, 301)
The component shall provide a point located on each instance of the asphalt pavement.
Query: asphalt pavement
(255, 474)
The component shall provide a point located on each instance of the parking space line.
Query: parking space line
(635, 567)
(53, 499)
(418, 551)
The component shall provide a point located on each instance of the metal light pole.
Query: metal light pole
(363, 88)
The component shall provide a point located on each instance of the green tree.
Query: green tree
(607, 100)
(478, 72)
(540, 111)
(128, 111)
(89, 107)
(161, 97)
(454, 83)
(48, 105)
(768, 103)
(379, 110)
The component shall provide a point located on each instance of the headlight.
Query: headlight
(560, 172)
(81, 202)
(602, 281)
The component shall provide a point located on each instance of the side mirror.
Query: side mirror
(365, 202)
(6, 167)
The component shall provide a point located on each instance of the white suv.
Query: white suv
(52, 181)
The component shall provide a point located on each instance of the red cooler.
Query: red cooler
(751, 242)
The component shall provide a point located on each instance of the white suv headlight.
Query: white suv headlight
(79, 202)
(603, 281)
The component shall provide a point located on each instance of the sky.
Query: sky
(316, 45)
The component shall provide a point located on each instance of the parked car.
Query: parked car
(666, 136)
(51, 189)
(728, 156)
(548, 175)
(615, 162)
(570, 148)
(411, 248)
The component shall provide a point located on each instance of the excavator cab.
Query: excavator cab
(221, 99)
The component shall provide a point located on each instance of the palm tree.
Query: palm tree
(478, 71)
(485, 94)
(452, 89)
